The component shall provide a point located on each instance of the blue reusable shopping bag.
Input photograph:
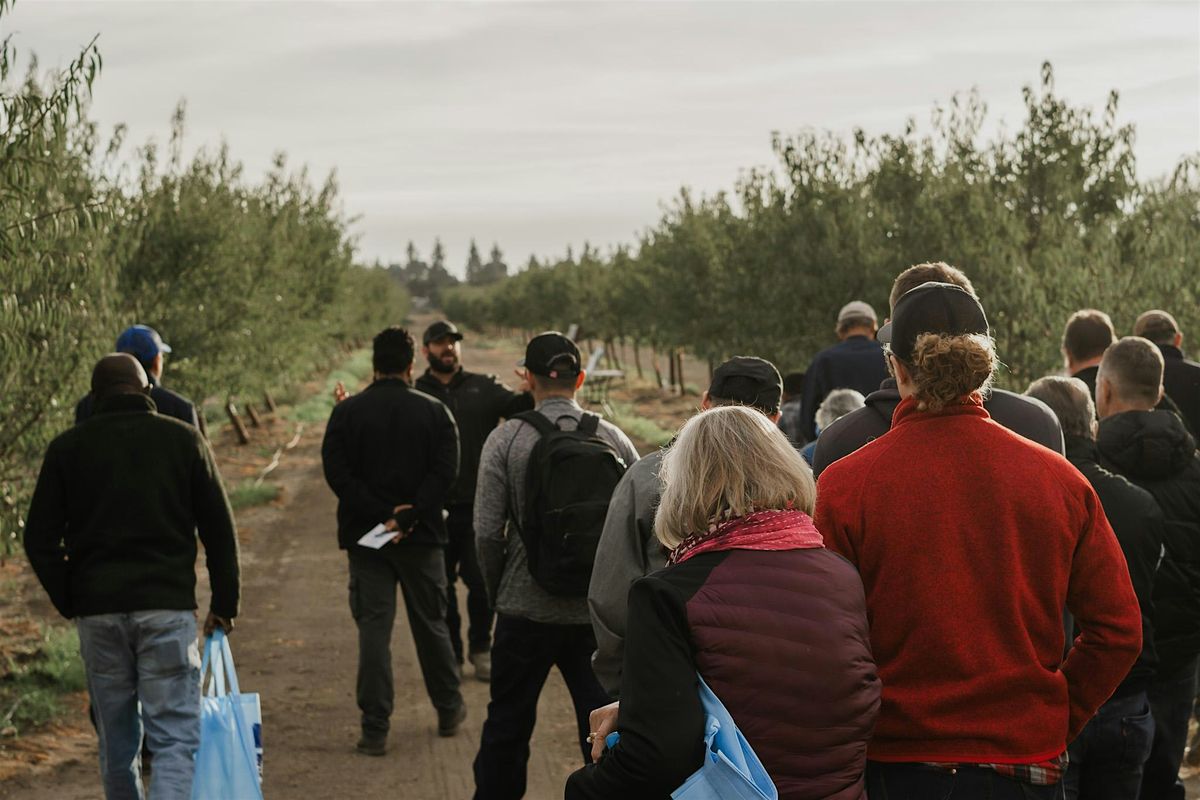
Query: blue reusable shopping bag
(731, 770)
(228, 764)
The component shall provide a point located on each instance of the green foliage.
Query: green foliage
(353, 374)
(252, 283)
(250, 493)
(1045, 220)
(639, 428)
(34, 682)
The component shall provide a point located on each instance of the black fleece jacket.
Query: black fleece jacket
(1138, 523)
(477, 402)
(1154, 450)
(386, 446)
(1031, 418)
(113, 522)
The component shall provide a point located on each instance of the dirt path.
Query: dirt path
(296, 645)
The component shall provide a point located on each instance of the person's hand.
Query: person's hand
(522, 381)
(601, 722)
(403, 521)
(212, 622)
(339, 392)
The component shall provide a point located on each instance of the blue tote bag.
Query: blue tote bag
(731, 770)
(229, 762)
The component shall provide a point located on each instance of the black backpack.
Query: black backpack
(568, 486)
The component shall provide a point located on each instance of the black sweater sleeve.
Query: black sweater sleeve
(45, 532)
(661, 720)
(443, 469)
(214, 521)
(339, 474)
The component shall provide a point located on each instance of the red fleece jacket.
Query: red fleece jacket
(970, 540)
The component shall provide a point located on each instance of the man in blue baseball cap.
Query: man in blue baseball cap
(143, 343)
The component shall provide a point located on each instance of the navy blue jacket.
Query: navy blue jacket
(857, 363)
(168, 404)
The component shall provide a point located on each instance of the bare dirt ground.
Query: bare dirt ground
(296, 645)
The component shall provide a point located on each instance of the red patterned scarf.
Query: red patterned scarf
(758, 530)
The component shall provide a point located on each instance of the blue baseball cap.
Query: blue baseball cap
(142, 342)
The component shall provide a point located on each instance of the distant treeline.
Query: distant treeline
(1045, 220)
(252, 284)
(429, 279)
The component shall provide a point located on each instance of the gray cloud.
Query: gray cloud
(538, 125)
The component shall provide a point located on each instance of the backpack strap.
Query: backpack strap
(538, 421)
(589, 424)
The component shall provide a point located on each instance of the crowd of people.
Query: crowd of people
(898, 580)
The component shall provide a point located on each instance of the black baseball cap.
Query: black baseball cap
(932, 308)
(748, 380)
(440, 330)
(552, 355)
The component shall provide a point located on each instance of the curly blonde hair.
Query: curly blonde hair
(944, 368)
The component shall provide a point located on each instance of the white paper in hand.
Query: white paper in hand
(377, 537)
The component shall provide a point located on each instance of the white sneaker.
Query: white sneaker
(483, 666)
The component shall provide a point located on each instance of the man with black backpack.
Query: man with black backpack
(545, 480)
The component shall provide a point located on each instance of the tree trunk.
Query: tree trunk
(637, 358)
(239, 427)
(654, 363)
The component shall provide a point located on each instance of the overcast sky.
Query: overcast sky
(538, 125)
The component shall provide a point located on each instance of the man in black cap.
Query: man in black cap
(111, 535)
(478, 402)
(535, 628)
(390, 455)
(143, 343)
(1027, 416)
(628, 548)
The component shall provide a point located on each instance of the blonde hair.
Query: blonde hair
(727, 462)
(947, 368)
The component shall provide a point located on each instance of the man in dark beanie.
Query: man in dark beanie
(111, 535)
(628, 548)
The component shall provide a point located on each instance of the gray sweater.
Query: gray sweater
(628, 550)
(500, 498)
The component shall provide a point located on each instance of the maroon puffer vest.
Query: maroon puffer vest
(782, 639)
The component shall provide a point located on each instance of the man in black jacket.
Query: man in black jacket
(1108, 756)
(1153, 449)
(1181, 376)
(478, 402)
(390, 455)
(111, 535)
(1023, 415)
(143, 343)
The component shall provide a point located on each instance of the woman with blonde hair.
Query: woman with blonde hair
(970, 541)
(752, 601)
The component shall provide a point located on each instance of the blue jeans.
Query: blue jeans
(920, 782)
(1108, 755)
(149, 658)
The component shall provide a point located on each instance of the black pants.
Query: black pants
(522, 656)
(461, 562)
(1171, 697)
(374, 574)
(920, 782)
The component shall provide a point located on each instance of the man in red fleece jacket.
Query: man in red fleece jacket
(970, 540)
